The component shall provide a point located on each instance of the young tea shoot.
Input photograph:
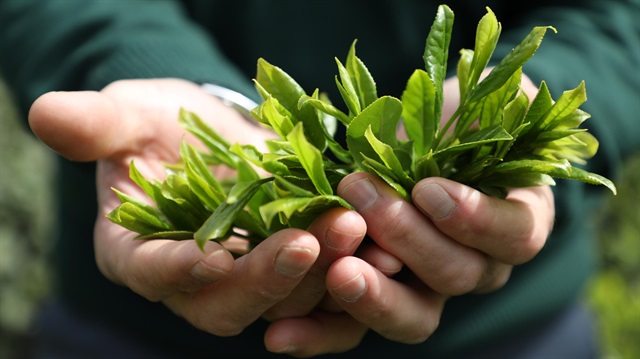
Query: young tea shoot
(498, 138)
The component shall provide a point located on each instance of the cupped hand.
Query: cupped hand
(451, 240)
(137, 120)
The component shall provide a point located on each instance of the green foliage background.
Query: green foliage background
(26, 202)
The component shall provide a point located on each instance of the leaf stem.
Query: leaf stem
(441, 133)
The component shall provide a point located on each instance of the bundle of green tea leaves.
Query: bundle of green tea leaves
(497, 138)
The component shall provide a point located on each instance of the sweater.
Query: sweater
(85, 45)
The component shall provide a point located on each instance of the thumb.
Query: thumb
(81, 126)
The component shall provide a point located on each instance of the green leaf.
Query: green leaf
(311, 160)
(553, 168)
(514, 112)
(173, 211)
(554, 135)
(591, 178)
(487, 35)
(218, 225)
(386, 153)
(512, 117)
(176, 187)
(565, 106)
(464, 71)
(196, 164)
(575, 148)
(572, 120)
(436, 53)
(383, 116)
(324, 107)
(192, 121)
(287, 188)
(286, 90)
(362, 80)
(284, 207)
(302, 210)
(209, 196)
(520, 180)
(142, 182)
(137, 216)
(272, 165)
(540, 105)
(487, 135)
(347, 90)
(426, 166)
(418, 111)
(509, 64)
(493, 104)
(386, 174)
(208, 136)
(303, 217)
(248, 152)
(175, 235)
(277, 116)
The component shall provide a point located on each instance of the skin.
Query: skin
(321, 289)
(453, 240)
(137, 120)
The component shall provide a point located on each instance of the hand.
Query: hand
(453, 240)
(137, 120)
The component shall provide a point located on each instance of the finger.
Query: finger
(399, 228)
(512, 231)
(385, 262)
(71, 122)
(407, 313)
(157, 269)
(339, 232)
(131, 116)
(316, 334)
(259, 279)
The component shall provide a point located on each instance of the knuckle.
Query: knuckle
(394, 223)
(269, 292)
(460, 279)
(424, 331)
(222, 326)
(417, 331)
(497, 278)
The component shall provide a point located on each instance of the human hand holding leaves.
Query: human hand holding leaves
(498, 138)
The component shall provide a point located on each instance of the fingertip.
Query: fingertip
(340, 230)
(440, 198)
(385, 262)
(77, 125)
(346, 280)
(216, 264)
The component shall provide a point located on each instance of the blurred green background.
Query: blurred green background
(27, 172)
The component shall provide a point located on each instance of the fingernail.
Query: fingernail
(289, 264)
(206, 272)
(360, 194)
(289, 348)
(434, 200)
(351, 290)
(340, 240)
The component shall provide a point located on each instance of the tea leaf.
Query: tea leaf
(218, 226)
(311, 160)
(509, 64)
(436, 53)
(363, 82)
(419, 111)
(383, 116)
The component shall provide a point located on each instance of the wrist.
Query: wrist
(231, 98)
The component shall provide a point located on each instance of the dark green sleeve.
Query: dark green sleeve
(86, 44)
(598, 42)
